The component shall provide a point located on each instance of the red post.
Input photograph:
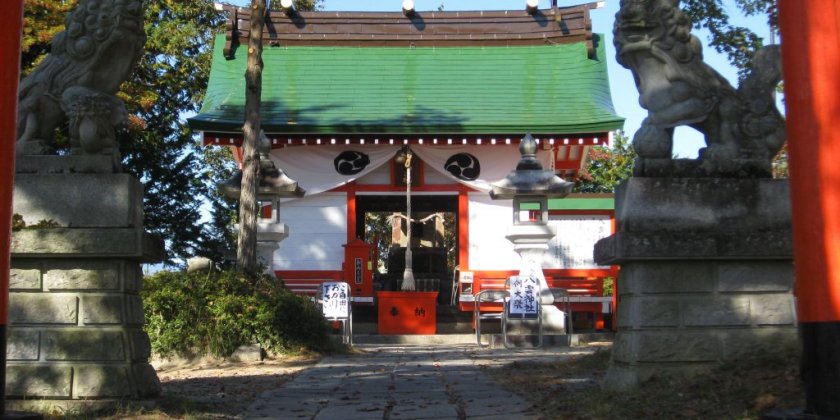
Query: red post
(351, 218)
(11, 23)
(463, 231)
(811, 57)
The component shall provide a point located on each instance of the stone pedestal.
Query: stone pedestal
(706, 274)
(269, 235)
(530, 241)
(76, 317)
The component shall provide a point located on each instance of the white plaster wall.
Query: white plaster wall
(574, 243)
(317, 231)
(489, 223)
(572, 247)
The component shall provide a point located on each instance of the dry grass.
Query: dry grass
(744, 390)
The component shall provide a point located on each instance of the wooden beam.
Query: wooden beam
(512, 27)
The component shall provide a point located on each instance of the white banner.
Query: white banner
(524, 296)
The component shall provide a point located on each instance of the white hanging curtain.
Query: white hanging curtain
(478, 166)
(320, 168)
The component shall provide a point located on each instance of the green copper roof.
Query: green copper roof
(470, 90)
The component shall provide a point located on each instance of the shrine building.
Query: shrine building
(346, 94)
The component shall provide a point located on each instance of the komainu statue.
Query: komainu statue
(77, 82)
(743, 129)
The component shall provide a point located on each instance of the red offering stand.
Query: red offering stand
(407, 312)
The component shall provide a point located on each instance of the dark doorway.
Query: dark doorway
(434, 244)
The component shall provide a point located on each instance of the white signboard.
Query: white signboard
(524, 296)
(335, 298)
(574, 243)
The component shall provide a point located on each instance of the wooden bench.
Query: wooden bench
(586, 296)
(307, 283)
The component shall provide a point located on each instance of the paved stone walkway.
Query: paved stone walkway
(411, 382)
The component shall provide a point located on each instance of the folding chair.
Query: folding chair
(453, 297)
(562, 295)
(488, 296)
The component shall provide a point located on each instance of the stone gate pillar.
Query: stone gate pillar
(11, 21)
(813, 108)
(706, 274)
(76, 317)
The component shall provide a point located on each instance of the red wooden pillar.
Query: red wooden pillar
(811, 57)
(463, 231)
(11, 22)
(351, 218)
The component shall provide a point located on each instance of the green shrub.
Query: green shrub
(609, 283)
(200, 313)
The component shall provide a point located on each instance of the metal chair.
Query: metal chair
(453, 298)
(562, 295)
(488, 296)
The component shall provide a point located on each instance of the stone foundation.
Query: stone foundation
(706, 274)
(75, 313)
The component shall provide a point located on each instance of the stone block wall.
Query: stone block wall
(706, 275)
(79, 322)
(75, 314)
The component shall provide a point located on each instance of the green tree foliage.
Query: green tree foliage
(215, 313)
(378, 230)
(42, 20)
(606, 167)
(780, 164)
(737, 42)
(219, 239)
(158, 147)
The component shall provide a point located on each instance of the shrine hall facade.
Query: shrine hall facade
(344, 94)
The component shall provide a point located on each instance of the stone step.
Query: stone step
(524, 341)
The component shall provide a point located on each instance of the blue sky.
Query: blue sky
(624, 93)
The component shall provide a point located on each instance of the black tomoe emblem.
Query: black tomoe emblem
(463, 166)
(350, 162)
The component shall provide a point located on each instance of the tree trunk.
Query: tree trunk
(246, 256)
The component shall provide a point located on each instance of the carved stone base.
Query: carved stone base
(73, 164)
(702, 168)
(706, 274)
(76, 317)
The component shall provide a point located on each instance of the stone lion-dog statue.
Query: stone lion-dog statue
(742, 127)
(77, 82)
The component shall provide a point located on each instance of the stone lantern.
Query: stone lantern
(273, 184)
(530, 186)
